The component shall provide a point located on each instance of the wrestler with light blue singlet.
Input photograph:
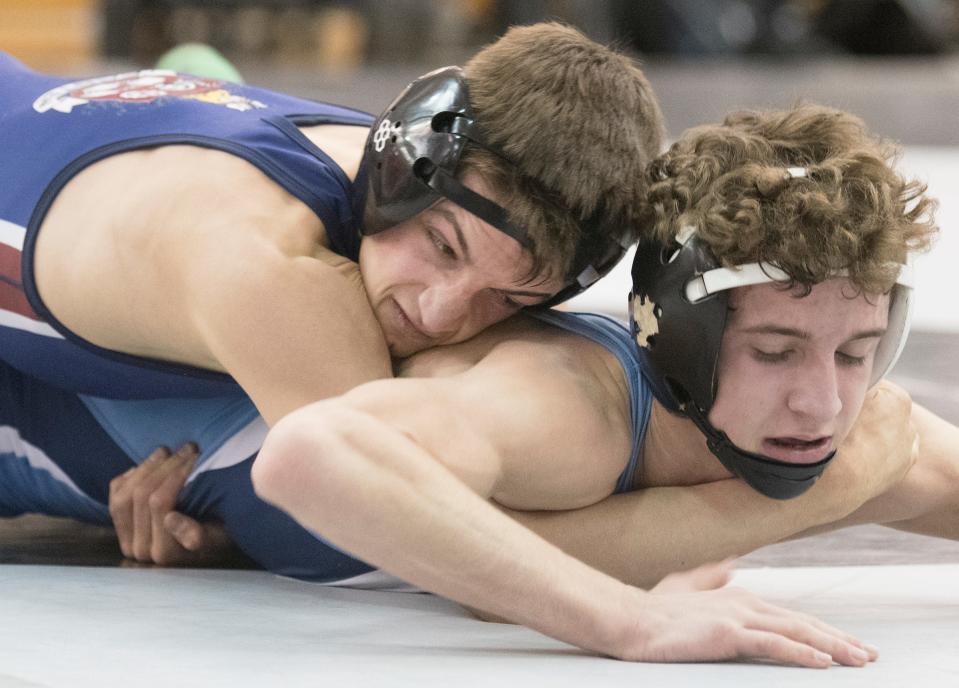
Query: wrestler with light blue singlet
(70, 447)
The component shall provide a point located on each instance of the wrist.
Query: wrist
(625, 627)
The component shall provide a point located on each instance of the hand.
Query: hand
(683, 620)
(879, 451)
(706, 577)
(142, 503)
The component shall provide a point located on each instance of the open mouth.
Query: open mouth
(797, 449)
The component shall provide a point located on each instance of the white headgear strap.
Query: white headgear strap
(900, 301)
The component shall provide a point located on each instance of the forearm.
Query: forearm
(640, 537)
(371, 491)
(926, 501)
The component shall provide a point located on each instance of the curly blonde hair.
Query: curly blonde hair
(851, 211)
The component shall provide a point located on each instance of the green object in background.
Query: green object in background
(199, 59)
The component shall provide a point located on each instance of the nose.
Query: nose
(815, 392)
(444, 306)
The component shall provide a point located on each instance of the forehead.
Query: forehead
(835, 304)
(490, 250)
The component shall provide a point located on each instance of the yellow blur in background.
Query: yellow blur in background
(50, 34)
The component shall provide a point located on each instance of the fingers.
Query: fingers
(706, 577)
(189, 533)
(120, 500)
(140, 498)
(202, 544)
(813, 635)
(766, 645)
(154, 494)
(732, 623)
(164, 549)
(845, 641)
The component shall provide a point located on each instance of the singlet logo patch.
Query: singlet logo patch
(143, 87)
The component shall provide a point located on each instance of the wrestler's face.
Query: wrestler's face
(444, 275)
(793, 372)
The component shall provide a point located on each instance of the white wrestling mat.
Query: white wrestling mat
(71, 627)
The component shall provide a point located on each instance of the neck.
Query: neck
(675, 453)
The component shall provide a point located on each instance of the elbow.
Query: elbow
(272, 466)
(291, 446)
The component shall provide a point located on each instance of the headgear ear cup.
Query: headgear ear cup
(411, 159)
(897, 330)
(685, 294)
(403, 135)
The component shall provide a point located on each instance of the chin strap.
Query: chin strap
(776, 479)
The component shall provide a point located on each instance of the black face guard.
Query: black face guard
(410, 164)
(773, 478)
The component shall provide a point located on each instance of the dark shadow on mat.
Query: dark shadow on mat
(44, 540)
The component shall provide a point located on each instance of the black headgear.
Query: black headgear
(678, 309)
(410, 163)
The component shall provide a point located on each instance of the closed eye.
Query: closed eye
(849, 360)
(771, 356)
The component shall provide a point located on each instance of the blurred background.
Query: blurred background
(893, 62)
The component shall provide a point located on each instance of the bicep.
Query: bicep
(290, 330)
(522, 430)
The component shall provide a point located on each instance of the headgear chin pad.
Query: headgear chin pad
(775, 479)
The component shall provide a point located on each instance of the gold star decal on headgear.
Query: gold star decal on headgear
(644, 315)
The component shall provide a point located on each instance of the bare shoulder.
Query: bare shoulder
(207, 257)
(537, 350)
(525, 346)
(548, 409)
(564, 417)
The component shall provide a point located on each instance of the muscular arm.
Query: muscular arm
(641, 536)
(400, 473)
(210, 264)
(288, 318)
(926, 501)
(364, 472)
(290, 329)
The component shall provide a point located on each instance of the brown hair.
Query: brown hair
(852, 211)
(578, 121)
